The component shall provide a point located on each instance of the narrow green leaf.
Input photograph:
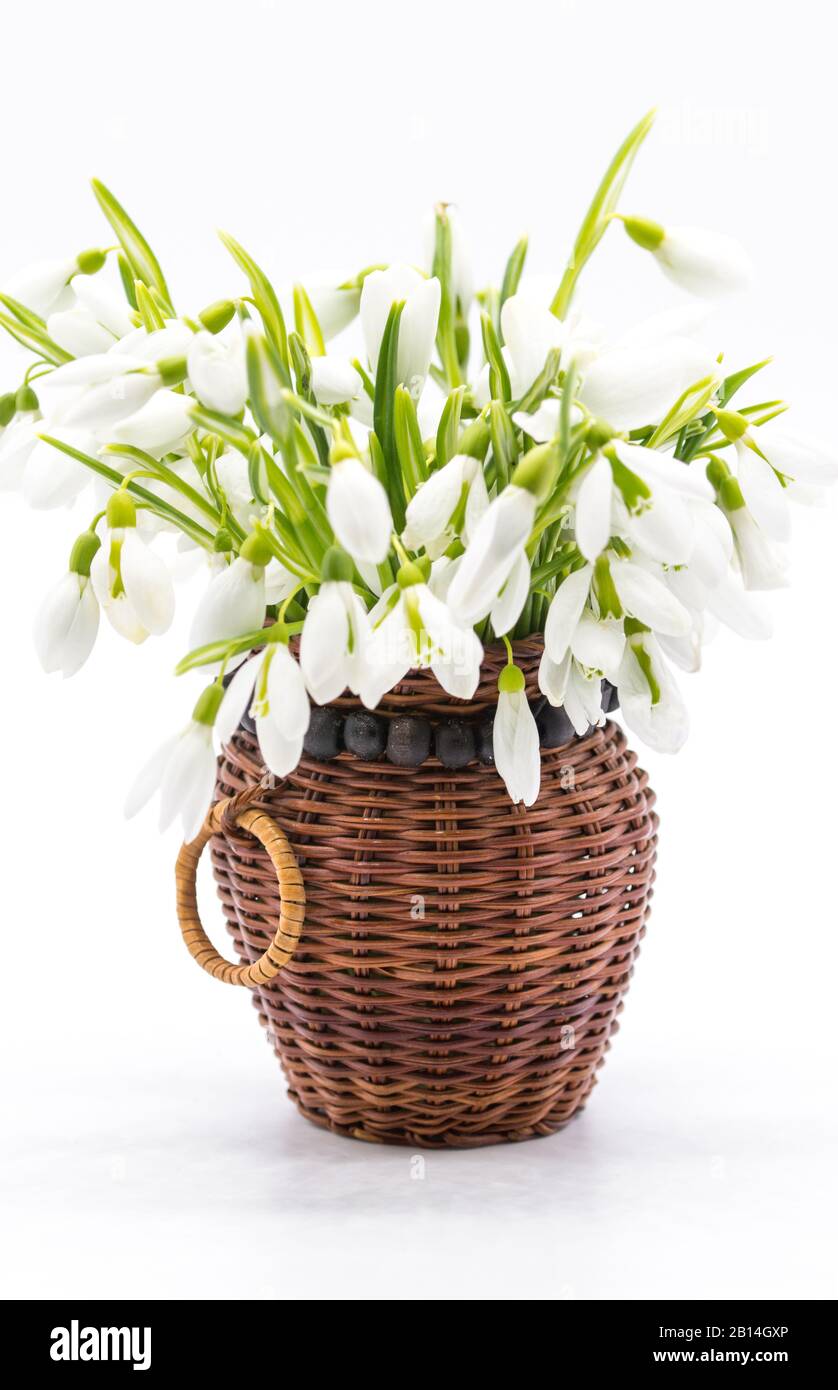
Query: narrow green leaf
(499, 385)
(306, 324)
(599, 213)
(155, 504)
(512, 273)
(265, 297)
(35, 340)
(448, 431)
(386, 381)
(138, 253)
(408, 438)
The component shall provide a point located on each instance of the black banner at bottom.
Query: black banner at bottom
(90, 1338)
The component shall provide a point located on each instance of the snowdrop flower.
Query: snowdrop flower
(16, 446)
(334, 380)
(98, 408)
(645, 597)
(68, 621)
(159, 426)
(52, 478)
(702, 262)
(272, 684)
(94, 322)
(183, 771)
(132, 584)
(515, 738)
(649, 697)
(412, 627)
(633, 385)
(455, 491)
(417, 325)
(498, 542)
(217, 371)
(335, 634)
(509, 604)
(359, 511)
(41, 287)
(235, 601)
(762, 566)
(569, 684)
(593, 508)
(762, 456)
(530, 331)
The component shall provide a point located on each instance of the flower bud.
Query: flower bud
(8, 409)
(732, 425)
(26, 400)
(91, 261)
(216, 316)
(256, 549)
(511, 679)
(646, 233)
(171, 370)
(120, 511)
(537, 471)
(208, 703)
(337, 565)
(85, 547)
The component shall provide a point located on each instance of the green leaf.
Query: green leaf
(386, 381)
(505, 446)
(138, 253)
(155, 504)
(448, 431)
(512, 273)
(27, 317)
(35, 340)
(265, 298)
(306, 324)
(599, 213)
(499, 385)
(408, 439)
(446, 336)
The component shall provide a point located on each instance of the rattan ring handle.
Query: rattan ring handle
(291, 891)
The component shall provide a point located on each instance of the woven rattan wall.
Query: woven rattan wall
(462, 960)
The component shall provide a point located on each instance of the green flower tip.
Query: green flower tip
(337, 566)
(223, 542)
(25, 400)
(511, 680)
(537, 471)
(171, 370)
(90, 262)
(84, 548)
(216, 316)
(208, 703)
(256, 548)
(120, 511)
(410, 574)
(8, 409)
(646, 233)
(732, 424)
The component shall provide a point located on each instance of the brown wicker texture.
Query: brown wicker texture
(462, 961)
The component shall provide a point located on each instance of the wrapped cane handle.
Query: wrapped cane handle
(291, 890)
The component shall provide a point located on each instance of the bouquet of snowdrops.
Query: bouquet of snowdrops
(474, 468)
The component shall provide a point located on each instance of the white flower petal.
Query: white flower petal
(359, 511)
(593, 509)
(565, 611)
(648, 599)
(148, 583)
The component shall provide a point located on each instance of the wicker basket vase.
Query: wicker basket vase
(433, 965)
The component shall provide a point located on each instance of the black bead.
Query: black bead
(610, 697)
(484, 740)
(454, 743)
(554, 726)
(323, 737)
(408, 741)
(365, 735)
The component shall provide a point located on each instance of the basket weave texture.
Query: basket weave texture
(462, 961)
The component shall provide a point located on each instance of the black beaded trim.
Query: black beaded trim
(407, 740)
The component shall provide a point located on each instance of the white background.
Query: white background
(148, 1147)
